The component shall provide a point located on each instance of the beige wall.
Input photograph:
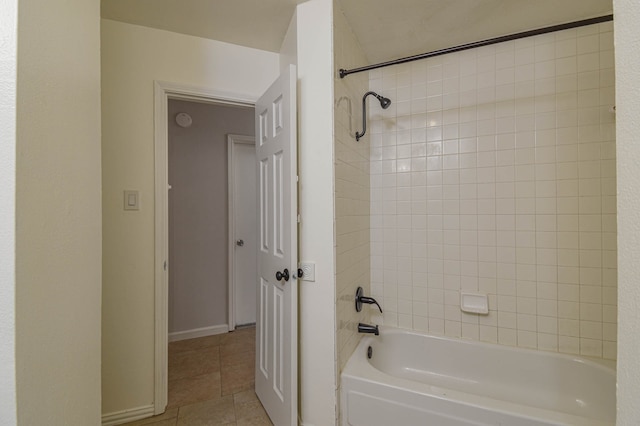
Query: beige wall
(289, 49)
(627, 41)
(199, 213)
(58, 232)
(494, 172)
(352, 189)
(132, 58)
(8, 67)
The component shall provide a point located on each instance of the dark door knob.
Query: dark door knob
(282, 275)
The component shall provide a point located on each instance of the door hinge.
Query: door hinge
(297, 178)
(165, 265)
(299, 219)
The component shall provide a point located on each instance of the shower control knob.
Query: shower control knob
(282, 275)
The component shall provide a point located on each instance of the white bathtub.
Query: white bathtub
(416, 379)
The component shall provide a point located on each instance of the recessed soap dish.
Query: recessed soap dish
(474, 303)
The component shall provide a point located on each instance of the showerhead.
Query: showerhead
(384, 102)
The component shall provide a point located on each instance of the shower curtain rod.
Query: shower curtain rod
(576, 24)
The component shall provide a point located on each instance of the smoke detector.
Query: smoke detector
(183, 119)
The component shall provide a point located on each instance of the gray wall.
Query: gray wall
(198, 212)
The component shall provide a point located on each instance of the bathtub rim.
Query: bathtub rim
(609, 366)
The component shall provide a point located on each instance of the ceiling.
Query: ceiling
(386, 29)
(260, 24)
(411, 27)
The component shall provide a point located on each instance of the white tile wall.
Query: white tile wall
(493, 171)
(352, 190)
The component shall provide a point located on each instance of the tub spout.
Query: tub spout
(368, 328)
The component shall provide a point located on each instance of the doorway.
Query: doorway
(275, 122)
(243, 241)
(211, 172)
(200, 215)
(164, 94)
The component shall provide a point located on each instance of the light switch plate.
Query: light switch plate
(131, 200)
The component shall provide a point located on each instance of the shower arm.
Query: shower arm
(364, 116)
(384, 103)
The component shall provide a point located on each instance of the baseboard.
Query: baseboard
(126, 416)
(198, 332)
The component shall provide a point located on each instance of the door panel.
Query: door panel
(264, 205)
(277, 325)
(261, 334)
(278, 216)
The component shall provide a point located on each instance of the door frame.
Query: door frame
(163, 91)
(232, 140)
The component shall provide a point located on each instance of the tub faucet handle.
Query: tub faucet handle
(360, 299)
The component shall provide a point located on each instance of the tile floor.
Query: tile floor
(211, 382)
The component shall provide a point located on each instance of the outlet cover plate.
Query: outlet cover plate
(309, 271)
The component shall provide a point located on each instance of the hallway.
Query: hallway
(211, 382)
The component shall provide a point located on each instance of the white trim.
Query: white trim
(163, 91)
(161, 248)
(8, 158)
(231, 140)
(198, 332)
(126, 416)
(205, 95)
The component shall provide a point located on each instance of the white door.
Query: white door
(277, 322)
(244, 233)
